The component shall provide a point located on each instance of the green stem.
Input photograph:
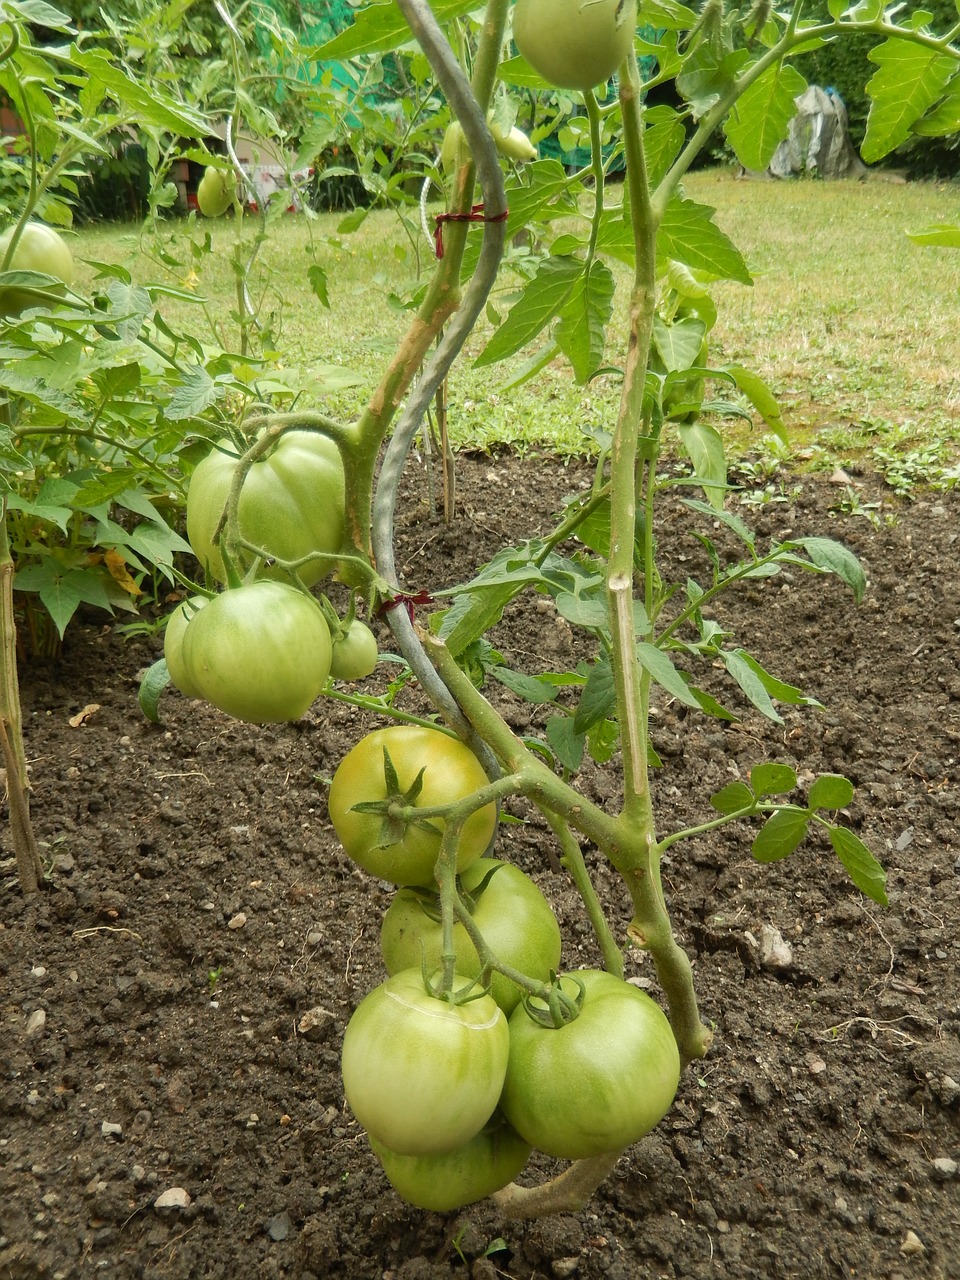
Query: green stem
(571, 857)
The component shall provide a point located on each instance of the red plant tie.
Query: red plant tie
(476, 214)
(407, 601)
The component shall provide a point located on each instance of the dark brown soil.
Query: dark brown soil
(200, 906)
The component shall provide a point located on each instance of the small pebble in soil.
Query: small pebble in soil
(279, 1227)
(237, 921)
(36, 1023)
(172, 1198)
(111, 1130)
(945, 1168)
(912, 1244)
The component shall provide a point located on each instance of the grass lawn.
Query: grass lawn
(854, 327)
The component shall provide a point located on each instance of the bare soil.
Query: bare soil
(153, 998)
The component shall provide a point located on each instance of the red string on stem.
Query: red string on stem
(476, 214)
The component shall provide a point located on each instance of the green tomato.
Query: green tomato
(474, 1171)
(260, 652)
(575, 44)
(216, 192)
(423, 1075)
(598, 1083)
(514, 144)
(173, 635)
(512, 914)
(450, 772)
(355, 654)
(40, 249)
(291, 503)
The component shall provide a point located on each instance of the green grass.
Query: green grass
(854, 327)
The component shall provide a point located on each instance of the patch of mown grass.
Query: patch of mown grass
(854, 327)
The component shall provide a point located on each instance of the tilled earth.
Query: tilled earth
(172, 1006)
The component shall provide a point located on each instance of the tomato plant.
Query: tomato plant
(598, 1082)
(413, 768)
(260, 652)
(291, 504)
(422, 1074)
(491, 1159)
(572, 44)
(514, 917)
(355, 652)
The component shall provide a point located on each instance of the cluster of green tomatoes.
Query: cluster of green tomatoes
(264, 650)
(456, 1088)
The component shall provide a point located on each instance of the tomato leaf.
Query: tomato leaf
(860, 864)
(661, 668)
(597, 698)
(761, 117)
(541, 300)
(582, 331)
(733, 797)
(830, 791)
(780, 835)
(155, 680)
(772, 780)
(909, 80)
(688, 234)
(381, 27)
(566, 743)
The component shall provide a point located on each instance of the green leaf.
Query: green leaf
(582, 331)
(566, 743)
(833, 557)
(704, 445)
(678, 345)
(40, 14)
(659, 666)
(944, 235)
(830, 791)
(760, 119)
(780, 835)
(944, 119)
(688, 234)
(530, 688)
(318, 283)
(602, 739)
(750, 683)
(197, 392)
(143, 101)
(597, 698)
(860, 864)
(727, 518)
(583, 611)
(155, 680)
(381, 27)
(909, 81)
(541, 300)
(663, 141)
(760, 396)
(732, 798)
(778, 689)
(772, 780)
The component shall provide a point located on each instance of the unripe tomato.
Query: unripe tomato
(600, 1082)
(423, 1075)
(355, 654)
(216, 192)
(260, 652)
(451, 772)
(514, 144)
(173, 635)
(575, 44)
(476, 1170)
(39, 248)
(512, 914)
(291, 503)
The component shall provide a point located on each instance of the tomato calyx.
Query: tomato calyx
(439, 990)
(398, 809)
(553, 1007)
